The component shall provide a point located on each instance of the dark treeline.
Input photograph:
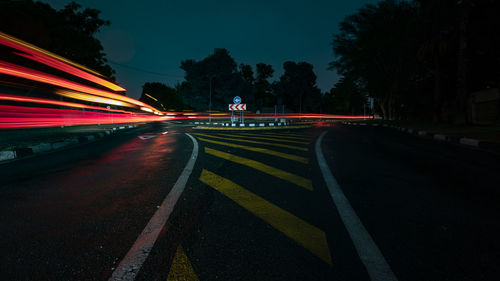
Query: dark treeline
(419, 60)
(220, 78)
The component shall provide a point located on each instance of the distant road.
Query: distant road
(255, 206)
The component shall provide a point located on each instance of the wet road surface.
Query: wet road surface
(255, 207)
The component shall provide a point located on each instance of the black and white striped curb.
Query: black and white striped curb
(237, 125)
(434, 136)
(20, 152)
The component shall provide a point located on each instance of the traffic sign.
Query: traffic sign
(241, 106)
(237, 100)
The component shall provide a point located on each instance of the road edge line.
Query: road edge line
(376, 265)
(130, 265)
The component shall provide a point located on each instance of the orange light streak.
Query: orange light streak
(55, 102)
(72, 70)
(92, 98)
(35, 75)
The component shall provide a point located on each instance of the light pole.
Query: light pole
(210, 101)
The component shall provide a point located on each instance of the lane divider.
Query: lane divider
(256, 142)
(369, 253)
(305, 234)
(260, 150)
(131, 264)
(288, 134)
(282, 136)
(263, 138)
(181, 269)
(259, 166)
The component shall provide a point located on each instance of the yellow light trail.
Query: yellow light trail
(92, 98)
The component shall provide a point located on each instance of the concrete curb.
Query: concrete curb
(436, 136)
(45, 147)
(234, 125)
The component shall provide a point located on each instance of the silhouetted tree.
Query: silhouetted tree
(247, 73)
(344, 98)
(219, 71)
(263, 90)
(422, 59)
(377, 48)
(69, 32)
(297, 87)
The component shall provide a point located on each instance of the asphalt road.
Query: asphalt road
(256, 206)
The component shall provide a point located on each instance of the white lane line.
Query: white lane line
(133, 260)
(375, 263)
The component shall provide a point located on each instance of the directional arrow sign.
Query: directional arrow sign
(241, 106)
(237, 100)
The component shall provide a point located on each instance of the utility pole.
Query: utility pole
(300, 106)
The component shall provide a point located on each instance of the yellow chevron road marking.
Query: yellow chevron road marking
(260, 150)
(264, 138)
(289, 177)
(275, 128)
(285, 135)
(181, 269)
(305, 234)
(256, 142)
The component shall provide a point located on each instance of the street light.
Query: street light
(210, 101)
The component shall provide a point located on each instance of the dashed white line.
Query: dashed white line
(375, 263)
(133, 260)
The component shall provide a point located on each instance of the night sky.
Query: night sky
(148, 39)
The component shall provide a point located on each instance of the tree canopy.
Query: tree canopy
(345, 98)
(219, 72)
(377, 48)
(69, 32)
(297, 88)
(263, 90)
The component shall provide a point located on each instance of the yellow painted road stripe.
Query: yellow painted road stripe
(289, 135)
(181, 269)
(289, 177)
(264, 138)
(283, 136)
(256, 142)
(261, 150)
(307, 235)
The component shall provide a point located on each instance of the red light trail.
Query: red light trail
(28, 117)
(56, 102)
